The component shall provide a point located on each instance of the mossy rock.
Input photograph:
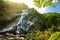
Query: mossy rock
(55, 36)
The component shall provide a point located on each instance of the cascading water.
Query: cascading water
(23, 23)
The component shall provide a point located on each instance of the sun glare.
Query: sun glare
(18, 1)
(27, 2)
(30, 4)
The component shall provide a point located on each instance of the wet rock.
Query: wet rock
(1, 35)
(23, 35)
(11, 38)
(22, 38)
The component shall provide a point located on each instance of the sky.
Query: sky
(30, 4)
(56, 9)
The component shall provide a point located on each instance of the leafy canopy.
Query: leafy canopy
(44, 3)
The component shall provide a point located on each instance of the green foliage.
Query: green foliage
(58, 28)
(33, 36)
(54, 28)
(55, 36)
(38, 20)
(37, 35)
(44, 3)
(52, 19)
(44, 21)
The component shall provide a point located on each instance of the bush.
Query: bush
(33, 36)
(37, 35)
(55, 36)
(54, 28)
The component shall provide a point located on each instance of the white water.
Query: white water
(23, 23)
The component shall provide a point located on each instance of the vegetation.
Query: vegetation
(46, 26)
(55, 36)
(45, 3)
(38, 19)
(8, 10)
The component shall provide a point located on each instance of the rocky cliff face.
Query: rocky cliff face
(9, 26)
(38, 20)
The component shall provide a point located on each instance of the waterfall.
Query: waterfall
(23, 23)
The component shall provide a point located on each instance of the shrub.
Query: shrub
(55, 36)
(33, 36)
(53, 28)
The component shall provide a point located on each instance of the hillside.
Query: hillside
(9, 9)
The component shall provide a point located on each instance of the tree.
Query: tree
(9, 9)
(38, 20)
(2, 5)
(44, 3)
(52, 19)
